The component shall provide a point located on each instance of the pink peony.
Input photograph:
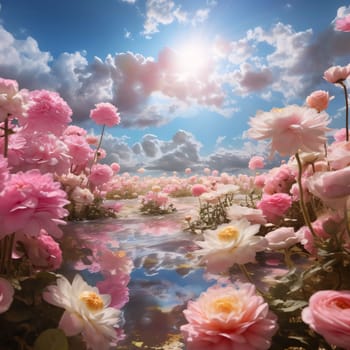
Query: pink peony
(31, 202)
(105, 114)
(337, 74)
(319, 100)
(229, 317)
(291, 129)
(47, 112)
(328, 314)
(43, 251)
(342, 24)
(198, 189)
(100, 174)
(6, 295)
(275, 206)
(256, 162)
(79, 149)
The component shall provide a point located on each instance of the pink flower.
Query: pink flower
(79, 149)
(31, 202)
(117, 287)
(198, 189)
(254, 216)
(328, 314)
(337, 74)
(340, 135)
(279, 180)
(343, 23)
(281, 238)
(291, 129)
(319, 100)
(256, 162)
(12, 101)
(43, 251)
(47, 112)
(332, 187)
(229, 317)
(6, 295)
(339, 155)
(100, 174)
(75, 130)
(188, 171)
(105, 114)
(275, 206)
(115, 167)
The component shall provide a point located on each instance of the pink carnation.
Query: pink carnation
(31, 202)
(105, 114)
(256, 162)
(328, 314)
(100, 174)
(47, 112)
(275, 206)
(231, 317)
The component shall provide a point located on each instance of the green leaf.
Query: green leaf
(51, 339)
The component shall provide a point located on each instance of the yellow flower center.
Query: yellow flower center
(92, 300)
(225, 305)
(228, 234)
(120, 253)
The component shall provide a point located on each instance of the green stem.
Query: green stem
(6, 137)
(301, 195)
(6, 247)
(99, 144)
(347, 109)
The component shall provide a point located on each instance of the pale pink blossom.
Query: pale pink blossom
(115, 167)
(281, 238)
(340, 135)
(32, 201)
(105, 114)
(274, 206)
(92, 140)
(79, 150)
(279, 180)
(229, 317)
(328, 314)
(233, 243)
(256, 162)
(12, 101)
(337, 74)
(74, 130)
(6, 295)
(254, 216)
(100, 174)
(198, 189)
(87, 312)
(188, 171)
(47, 112)
(339, 155)
(43, 251)
(332, 187)
(319, 100)
(82, 196)
(4, 172)
(291, 129)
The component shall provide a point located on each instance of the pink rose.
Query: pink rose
(198, 189)
(6, 295)
(337, 74)
(319, 100)
(256, 162)
(230, 317)
(105, 114)
(328, 314)
(275, 206)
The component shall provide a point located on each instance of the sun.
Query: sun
(193, 58)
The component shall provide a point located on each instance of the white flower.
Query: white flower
(86, 312)
(229, 244)
(281, 238)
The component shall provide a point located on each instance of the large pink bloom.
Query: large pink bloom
(328, 314)
(105, 114)
(226, 318)
(291, 129)
(31, 202)
(100, 174)
(47, 112)
(337, 74)
(275, 206)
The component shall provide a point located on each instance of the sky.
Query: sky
(186, 76)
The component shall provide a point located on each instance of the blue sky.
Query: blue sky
(186, 76)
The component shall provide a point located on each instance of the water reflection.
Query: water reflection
(164, 277)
